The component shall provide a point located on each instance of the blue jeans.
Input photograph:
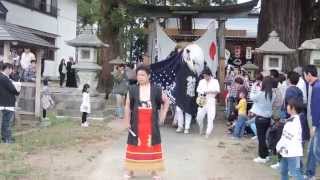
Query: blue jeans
(252, 124)
(313, 154)
(291, 164)
(240, 126)
(230, 106)
(6, 125)
(119, 112)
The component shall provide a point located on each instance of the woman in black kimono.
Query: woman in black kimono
(71, 75)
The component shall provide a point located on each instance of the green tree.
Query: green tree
(121, 31)
(89, 12)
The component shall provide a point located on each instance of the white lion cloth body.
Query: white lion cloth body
(190, 68)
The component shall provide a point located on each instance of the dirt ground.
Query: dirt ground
(187, 157)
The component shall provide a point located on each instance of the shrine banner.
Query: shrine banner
(248, 52)
(208, 44)
(164, 45)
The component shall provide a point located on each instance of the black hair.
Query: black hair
(85, 88)
(296, 105)
(312, 69)
(6, 66)
(259, 77)
(267, 85)
(293, 77)
(62, 60)
(207, 71)
(275, 77)
(143, 68)
(274, 73)
(45, 82)
(239, 80)
(244, 92)
(131, 66)
(282, 78)
(121, 65)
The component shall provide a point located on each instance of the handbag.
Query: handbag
(201, 100)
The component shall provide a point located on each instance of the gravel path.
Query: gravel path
(190, 157)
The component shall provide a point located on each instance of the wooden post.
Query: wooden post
(38, 84)
(221, 53)
(151, 39)
(6, 52)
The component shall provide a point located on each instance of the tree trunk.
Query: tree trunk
(309, 27)
(283, 16)
(110, 36)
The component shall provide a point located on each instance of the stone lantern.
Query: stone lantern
(312, 49)
(87, 67)
(311, 53)
(273, 50)
(251, 69)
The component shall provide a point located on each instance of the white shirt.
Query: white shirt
(16, 59)
(302, 86)
(64, 69)
(26, 59)
(283, 87)
(85, 105)
(290, 144)
(209, 86)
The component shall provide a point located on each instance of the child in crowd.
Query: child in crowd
(46, 99)
(273, 136)
(251, 123)
(290, 144)
(233, 97)
(240, 124)
(85, 107)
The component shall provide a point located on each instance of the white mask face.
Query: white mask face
(194, 58)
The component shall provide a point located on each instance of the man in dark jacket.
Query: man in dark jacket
(8, 91)
(311, 76)
(293, 92)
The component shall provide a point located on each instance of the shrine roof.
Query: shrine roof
(12, 32)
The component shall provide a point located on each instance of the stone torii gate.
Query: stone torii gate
(220, 13)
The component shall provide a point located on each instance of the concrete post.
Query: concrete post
(38, 84)
(6, 52)
(152, 36)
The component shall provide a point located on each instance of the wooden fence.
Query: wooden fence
(26, 100)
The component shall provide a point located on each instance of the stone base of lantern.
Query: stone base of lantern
(88, 77)
(88, 74)
(68, 101)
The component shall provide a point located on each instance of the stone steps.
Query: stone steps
(68, 101)
(77, 113)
